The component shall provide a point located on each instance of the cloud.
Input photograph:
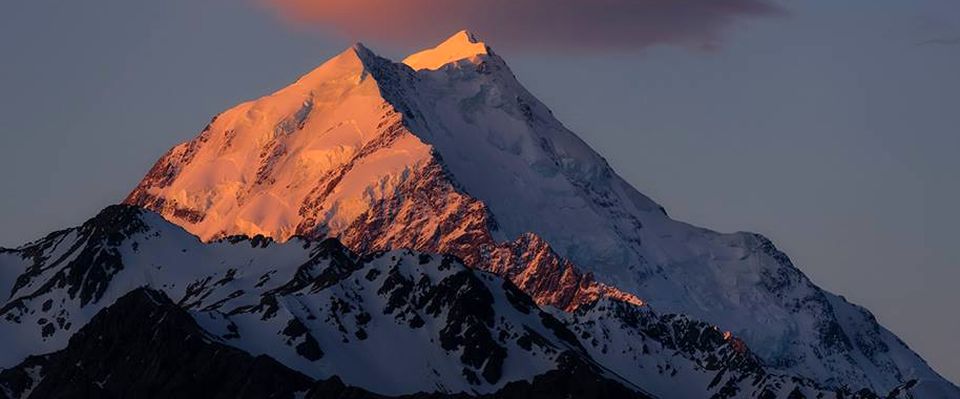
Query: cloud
(528, 24)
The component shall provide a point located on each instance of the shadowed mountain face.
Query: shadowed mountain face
(144, 308)
(448, 153)
(145, 346)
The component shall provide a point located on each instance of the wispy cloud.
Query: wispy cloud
(545, 24)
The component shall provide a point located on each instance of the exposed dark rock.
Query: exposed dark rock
(144, 346)
(95, 258)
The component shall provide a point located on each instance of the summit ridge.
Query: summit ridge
(462, 45)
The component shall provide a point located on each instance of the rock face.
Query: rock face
(448, 153)
(145, 346)
(152, 309)
(391, 323)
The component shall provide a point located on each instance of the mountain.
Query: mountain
(145, 346)
(448, 153)
(315, 307)
(129, 304)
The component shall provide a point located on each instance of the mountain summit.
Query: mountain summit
(443, 155)
(462, 45)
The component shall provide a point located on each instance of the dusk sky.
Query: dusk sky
(831, 127)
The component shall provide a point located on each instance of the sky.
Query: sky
(831, 127)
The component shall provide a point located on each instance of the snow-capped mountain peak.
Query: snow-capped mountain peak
(465, 161)
(462, 45)
(351, 62)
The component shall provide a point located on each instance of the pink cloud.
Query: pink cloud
(549, 24)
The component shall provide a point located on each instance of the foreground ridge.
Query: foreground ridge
(303, 313)
(145, 346)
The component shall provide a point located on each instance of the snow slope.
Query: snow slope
(397, 322)
(145, 346)
(394, 323)
(448, 153)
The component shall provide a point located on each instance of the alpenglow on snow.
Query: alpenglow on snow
(448, 153)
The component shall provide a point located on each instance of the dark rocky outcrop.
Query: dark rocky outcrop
(145, 346)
